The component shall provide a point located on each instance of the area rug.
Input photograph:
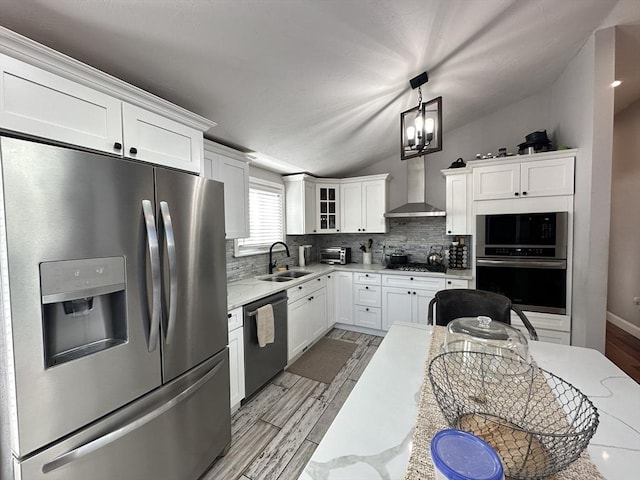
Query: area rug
(323, 360)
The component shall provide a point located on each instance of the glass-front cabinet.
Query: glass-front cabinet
(327, 211)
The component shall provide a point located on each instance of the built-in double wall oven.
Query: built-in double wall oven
(524, 257)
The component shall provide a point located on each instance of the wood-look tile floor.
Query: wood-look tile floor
(275, 433)
(623, 349)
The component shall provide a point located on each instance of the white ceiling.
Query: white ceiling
(318, 85)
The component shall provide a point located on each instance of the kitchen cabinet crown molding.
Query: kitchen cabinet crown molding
(573, 152)
(211, 146)
(307, 176)
(29, 51)
(298, 176)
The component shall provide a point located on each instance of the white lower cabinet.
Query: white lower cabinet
(367, 300)
(307, 315)
(298, 327)
(318, 315)
(397, 306)
(236, 357)
(369, 317)
(343, 297)
(331, 299)
(456, 283)
(406, 298)
(553, 328)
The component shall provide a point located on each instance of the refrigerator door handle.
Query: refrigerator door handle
(154, 256)
(103, 441)
(173, 273)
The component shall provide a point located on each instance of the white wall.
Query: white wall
(582, 117)
(504, 128)
(624, 251)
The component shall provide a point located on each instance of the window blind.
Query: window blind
(266, 217)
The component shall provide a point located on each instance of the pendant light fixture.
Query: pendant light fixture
(421, 126)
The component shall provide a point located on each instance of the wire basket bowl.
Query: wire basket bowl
(537, 422)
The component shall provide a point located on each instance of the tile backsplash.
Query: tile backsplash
(414, 235)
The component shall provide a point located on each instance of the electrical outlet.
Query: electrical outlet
(636, 300)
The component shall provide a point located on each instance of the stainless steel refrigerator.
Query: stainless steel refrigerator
(113, 340)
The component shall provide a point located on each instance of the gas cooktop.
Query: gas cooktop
(417, 267)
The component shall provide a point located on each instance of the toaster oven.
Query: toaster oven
(335, 255)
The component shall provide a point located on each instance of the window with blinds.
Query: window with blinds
(266, 218)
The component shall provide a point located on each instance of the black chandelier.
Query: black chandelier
(421, 126)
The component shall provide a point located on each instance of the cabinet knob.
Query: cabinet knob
(319, 279)
(516, 194)
(117, 146)
(449, 282)
(366, 274)
(414, 293)
(358, 229)
(328, 276)
(310, 298)
(448, 231)
(367, 309)
(133, 150)
(338, 230)
(363, 229)
(314, 231)
(366, 288)
(524, 193)
(410, 278)
(409, 293)
(300, 287)
(228, 315)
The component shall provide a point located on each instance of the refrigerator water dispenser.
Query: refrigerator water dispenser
(84, 308)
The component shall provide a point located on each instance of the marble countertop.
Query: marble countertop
(371, 435)
(245, 291)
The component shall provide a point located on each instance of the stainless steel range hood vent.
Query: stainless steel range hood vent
(416, 193)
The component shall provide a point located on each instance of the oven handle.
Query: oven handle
(550, 264)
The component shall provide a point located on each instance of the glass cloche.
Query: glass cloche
(481, 334)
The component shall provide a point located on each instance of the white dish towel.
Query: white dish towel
(265, 323)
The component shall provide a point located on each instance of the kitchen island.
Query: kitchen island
(371, 436)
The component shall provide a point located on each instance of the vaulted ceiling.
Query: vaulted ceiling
(318, 85)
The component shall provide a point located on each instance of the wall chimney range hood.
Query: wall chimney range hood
(416, 205)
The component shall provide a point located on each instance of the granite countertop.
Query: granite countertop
(245, 291)
(371, 436)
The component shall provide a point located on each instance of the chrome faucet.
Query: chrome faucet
(272, 264)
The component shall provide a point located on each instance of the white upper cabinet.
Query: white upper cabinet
(347, 205)
(152, 138)
(48, 95)
(535, 177)
(232, 169)
(363, 204)
(351, 207)
(458, 221)
(300, 204)
(375, 203)
(327, 207)
(45, 105)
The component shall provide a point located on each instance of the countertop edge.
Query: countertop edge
(242, 292)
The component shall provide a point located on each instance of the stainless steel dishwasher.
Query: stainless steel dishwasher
(261, 364)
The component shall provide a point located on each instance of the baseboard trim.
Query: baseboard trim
(624, 324)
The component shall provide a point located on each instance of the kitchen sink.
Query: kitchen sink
(289, 274)
(276, 279)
